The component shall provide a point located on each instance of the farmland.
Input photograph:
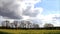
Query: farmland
(21, 31)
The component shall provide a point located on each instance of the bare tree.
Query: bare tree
(28, 24)
(12, 25)
(23, 24)
(15, 24)
(5, 23)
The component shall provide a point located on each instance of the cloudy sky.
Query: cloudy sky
(41, 11)
(51, 8)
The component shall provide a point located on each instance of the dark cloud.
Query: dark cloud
(9, 9)
(12, 9)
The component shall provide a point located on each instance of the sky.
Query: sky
(49, 6)
(41, 11)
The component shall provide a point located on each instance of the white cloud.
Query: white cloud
(32, 11)
(49, 19)
(25, 3)
(28, 6)
(25, 17)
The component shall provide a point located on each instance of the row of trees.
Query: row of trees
(19, 24)
(23, 24)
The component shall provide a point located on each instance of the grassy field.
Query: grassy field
(19, 31)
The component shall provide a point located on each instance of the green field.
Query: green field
(19, 31)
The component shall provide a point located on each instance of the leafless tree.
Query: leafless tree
(28, 24)
(23, 24)
(6, 23)
(3, 24)
(15, 24)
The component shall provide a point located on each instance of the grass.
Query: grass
(20, 31)
(1, 32)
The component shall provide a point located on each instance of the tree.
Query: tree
(35, 25)
(28, 24)
(5, 23)
(48, 25)
(15, 24)
(23, 24)
(12, 25)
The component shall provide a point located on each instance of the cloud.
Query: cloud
(33, 12)
(15, 9)
(9, 9)
(50, 18)
(28, 8)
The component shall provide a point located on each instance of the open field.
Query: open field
(20, 31)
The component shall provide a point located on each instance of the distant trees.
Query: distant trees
(21, 24)
(29, 24)
(48, 25)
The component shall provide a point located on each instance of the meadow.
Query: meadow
(21, 31)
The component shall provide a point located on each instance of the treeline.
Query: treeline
(19, 24)
(25, 25)
(48, 28)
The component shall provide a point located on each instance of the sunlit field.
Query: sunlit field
(21, 31)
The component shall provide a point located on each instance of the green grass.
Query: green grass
(19, 31)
